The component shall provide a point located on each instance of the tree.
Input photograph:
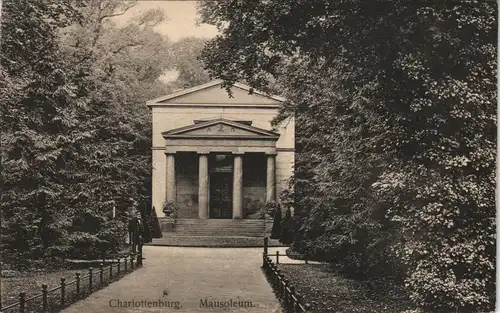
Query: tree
(75, 132)
(113, 162)
(36, 116)
(396, 129)
(185, 55)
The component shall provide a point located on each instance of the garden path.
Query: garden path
(192, 277)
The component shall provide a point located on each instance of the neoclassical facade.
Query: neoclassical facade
(216, 156)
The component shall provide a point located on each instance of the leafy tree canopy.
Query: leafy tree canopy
(395, 119)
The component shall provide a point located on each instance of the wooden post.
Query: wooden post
(22, 302)
(285, 288)
(118, 267)
(292, 298)
(275, 279)
(63, 291)
(139, 256)
(282, 284)
(77, 285)
(278, 276)
(111, 271)
(305, 259)
(132, 261)
(44, 297)
(90, 278)
(101, 273)
(266, 243)
(125, 263)
(277, 257)
(297, 306)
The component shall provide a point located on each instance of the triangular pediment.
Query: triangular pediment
(221, 128)
(213, 93)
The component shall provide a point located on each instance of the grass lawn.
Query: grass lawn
(327, 291)
(31, 283)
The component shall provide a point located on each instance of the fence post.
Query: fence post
(139, 254)
(101, 273)
(111, 271)
(22, 302)
(90, 278)
(275, 280)
(297, 306)
(278, 280)
(285, 289)
(292, 295)
(132, 261)
(277, 257)
(63, 291)
(266, 242)
(118, 267)
(77, 285)
(44, 297)
(125, 263)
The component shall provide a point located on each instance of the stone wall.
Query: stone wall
(186, 172)
(254, 183)
(284, 170)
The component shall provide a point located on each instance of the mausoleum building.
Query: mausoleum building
(217, 157)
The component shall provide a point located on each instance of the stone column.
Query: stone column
(271, 178)
(238, 187)
(171, 186)
(203, 187)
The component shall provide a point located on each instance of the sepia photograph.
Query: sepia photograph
(261, 156)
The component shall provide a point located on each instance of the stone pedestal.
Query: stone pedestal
(167, 224)
(268, 226)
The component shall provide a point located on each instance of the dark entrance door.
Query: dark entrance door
(221, 185)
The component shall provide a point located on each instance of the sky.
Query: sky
(181, 19)
(180, 23)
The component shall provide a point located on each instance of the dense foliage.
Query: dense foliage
(395, 128)
(75, 131)
(37, 118)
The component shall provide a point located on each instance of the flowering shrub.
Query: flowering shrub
(448, 238)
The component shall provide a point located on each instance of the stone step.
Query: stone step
(171, 239)
(177, 226)
(217, 227)
(201, 233)
(218, 222)
(220, 226)
(178, 229)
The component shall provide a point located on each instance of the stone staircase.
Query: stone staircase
(218, 227)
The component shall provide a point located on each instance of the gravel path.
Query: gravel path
(188, 280)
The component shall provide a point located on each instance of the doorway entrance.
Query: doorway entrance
(221, 186)
(221, 190)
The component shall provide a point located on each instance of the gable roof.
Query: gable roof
(210, 84)
(244, 130)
